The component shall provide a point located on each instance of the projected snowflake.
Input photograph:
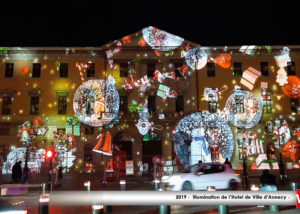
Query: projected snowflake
(161, 40)
(96, 102)
(199, 127)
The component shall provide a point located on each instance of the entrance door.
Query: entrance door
(150, 149)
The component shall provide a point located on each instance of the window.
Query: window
(123, 104)
(151, 104)
(89, 130)
(291, 69)
(150, 69)
(208, 169)
(212, 107)
(36, 70)
(179, 103)
(239, 104)
(9, 70)
(63, 70)
(123, 69)
(211, 69)
(4, 129)
(61, 131)
(6, 105)
(88, 153)
(91, 71)
(62, 105)
(177, 71)
(237, 69)
(264, 68)
(34, 105)
(294, 104)
(266, 100)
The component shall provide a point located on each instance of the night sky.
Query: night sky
(210, 23)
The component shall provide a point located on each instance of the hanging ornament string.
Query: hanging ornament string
(81, 67)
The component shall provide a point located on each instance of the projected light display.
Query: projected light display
(196, 58)
(243, 109)
(35, 160)
(196, 133)
(161, 40)
(96, 102)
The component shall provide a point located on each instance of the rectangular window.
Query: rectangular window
(9, 70)
(179, 103)
(239, 104)
(212, 107)
(62, 105)
(34, 105)
(237, 69)
(63, 70)
(36, 70)
(294, 104)
(90, 71)
(61, 131)
(6, 105)
(150, 69)
(123, 104)
(151, 104)
(291, 69)
(89, 130)
(178, 73)
(264, 68)
(4, 129)
(211, 69)
(123, 69)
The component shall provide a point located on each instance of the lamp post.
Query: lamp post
(245, 173)
(280, 137)
(26, 132)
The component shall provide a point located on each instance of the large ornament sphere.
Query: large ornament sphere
(243, 109)
(196, 58)
(205, 121)
(161, 40)
(96, 102)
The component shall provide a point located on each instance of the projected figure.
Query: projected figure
(199, 147)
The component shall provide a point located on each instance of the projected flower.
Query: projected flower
(243, 109)
(96, 102)
(196, 133)
(161, 40)
(196, 58)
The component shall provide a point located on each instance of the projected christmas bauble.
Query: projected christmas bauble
(96, 102)
(243, 109)
(199, 134)
(161, 40)
(196, 58)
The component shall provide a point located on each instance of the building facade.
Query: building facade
(42, 82)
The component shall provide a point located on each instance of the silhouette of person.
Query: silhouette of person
(17, 172)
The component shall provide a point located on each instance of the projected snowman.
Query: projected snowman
(199, 147)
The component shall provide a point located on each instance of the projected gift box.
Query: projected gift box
(263, 163)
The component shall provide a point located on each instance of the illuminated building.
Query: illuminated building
(42, 81)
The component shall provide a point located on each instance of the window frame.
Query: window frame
(237, 69)
(9, 71)
(31, 104)
(211, 69)
(64, 73)
(124, 70)
(91, 70)
(36, 71)
(262, 66)
(58, 103)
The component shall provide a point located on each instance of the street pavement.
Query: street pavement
(30, 200)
